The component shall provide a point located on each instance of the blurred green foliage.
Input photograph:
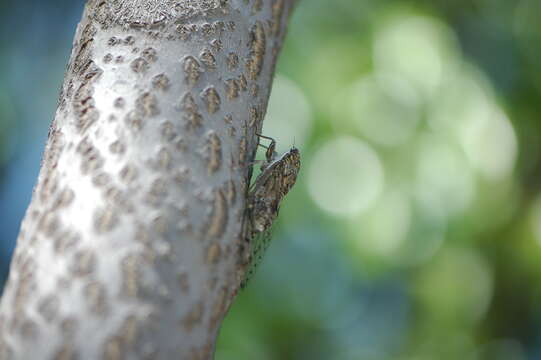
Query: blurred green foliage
(414, 232)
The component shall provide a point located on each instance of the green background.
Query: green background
(414, 231)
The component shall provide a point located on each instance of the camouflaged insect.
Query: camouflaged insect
(277, 177)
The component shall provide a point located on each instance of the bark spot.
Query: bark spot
(160, 225)
(212, 99)
(117, 147)
(257, 6)
(161, 82)
(134, 120)
(216, 45)
(254, 116)
(64, 199)
(168, 131)
(147, 105)
(84, 263)
(131, 273)
(243, 83)
(101, 179)
(254, 90)
(66, 352)
(84, 107)
(219, 215)
(192, 70)
(91, 159)
(113, 349)
(128, 174)
(95, 295)
(232, 61)
(164, 159)
(232, 89)
(214, 253)
(48, 307)
(258, 45)
(139, 65)
(277, 15)
(49, 224)
(214, 151)
(119, 103)
(231, 192)
(150, 54)
(157, 193)
(208, 59)
(105, 220)
(193, 317)
(66, 241)
(243, 150)
(191, 112)
(185, 31)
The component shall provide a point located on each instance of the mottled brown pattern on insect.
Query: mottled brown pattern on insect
(269, 189)
(277, 177)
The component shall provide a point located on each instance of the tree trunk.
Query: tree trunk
(131, 245)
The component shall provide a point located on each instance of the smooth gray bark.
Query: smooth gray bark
(131, 246)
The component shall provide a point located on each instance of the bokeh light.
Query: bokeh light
(417, 48)
(468, 112)
(382, 110)
(383, 230)
(456, 288)
(444, 180)
(289, 115)
(345, 176)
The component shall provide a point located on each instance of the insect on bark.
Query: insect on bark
(277, 177)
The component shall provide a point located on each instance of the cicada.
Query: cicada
(277, 177)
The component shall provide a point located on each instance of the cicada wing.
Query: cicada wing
(259, 243)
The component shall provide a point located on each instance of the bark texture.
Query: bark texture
(131, 246)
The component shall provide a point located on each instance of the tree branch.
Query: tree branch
(130, 246)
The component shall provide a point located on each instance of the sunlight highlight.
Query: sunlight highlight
(414, 47)
(345, 176)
